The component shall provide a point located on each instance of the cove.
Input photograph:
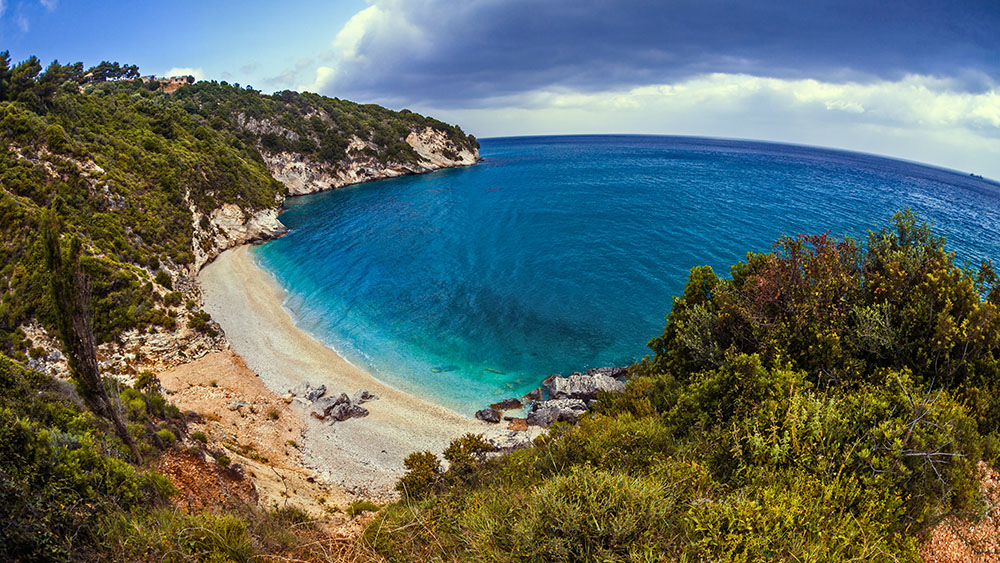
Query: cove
(556, 254)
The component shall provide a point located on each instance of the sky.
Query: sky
(911, 79)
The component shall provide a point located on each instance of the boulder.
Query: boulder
(612, 371)
(510, 441)
(517, 425)
(363, 396)
(547, 413)
(488, 415)
(308, 392)
(580, 386)
(507, 404)
(534, 395)
(315, 393)
(336, 409)
(343, 411)
(543, 418)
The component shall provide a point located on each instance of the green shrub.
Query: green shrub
(422, 473)
(166, 436)
(359, 506)
(163, 278)
(830, 401)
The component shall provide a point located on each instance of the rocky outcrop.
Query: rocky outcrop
(436, 150)
(302, 175)
(547, 413)
(507, 404)
(328, 408)
(337, 409)
(581, 386)
(491, 416)
(568, 398)
(229, 226)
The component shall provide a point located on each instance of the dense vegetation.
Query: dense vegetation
(828, 401)
(123, 163)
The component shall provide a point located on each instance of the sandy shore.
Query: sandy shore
(364, 455)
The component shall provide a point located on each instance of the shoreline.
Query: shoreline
(362, 455)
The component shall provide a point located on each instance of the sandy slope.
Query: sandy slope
(364, 455)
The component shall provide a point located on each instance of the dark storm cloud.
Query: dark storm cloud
(439, 52)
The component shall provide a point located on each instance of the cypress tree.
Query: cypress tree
(70, 294)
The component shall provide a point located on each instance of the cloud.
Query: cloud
(50, 5)
(917, 117)
(197, 73)
(3, 7)
(249, 67)
(451, 53)
(22, 23)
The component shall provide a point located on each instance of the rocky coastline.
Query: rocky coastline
(558, 399)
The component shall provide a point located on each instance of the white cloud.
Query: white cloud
(3, 7)
(50, 5)
(324, 76)
(197, 73)
(22, 23)
(917, 117)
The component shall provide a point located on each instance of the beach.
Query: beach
(362, 455)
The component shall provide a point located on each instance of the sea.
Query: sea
(557, 254)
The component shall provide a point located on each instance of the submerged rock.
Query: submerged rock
(507, 404)
(488, 415)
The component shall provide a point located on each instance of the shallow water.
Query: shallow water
(557, 254)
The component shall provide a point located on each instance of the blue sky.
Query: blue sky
(915, 79)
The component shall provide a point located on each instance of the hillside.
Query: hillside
(159, 184)
(831, 400)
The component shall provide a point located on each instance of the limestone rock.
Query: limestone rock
(363, 396)
(580, 386)
(488, 415)
(316, 393)
(534, 395)
(547, 413)
(612, 371)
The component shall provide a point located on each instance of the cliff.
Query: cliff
(158, 185)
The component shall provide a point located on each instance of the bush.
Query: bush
(166, 436)
(360, 506)
(164, 280)
(828, 402)
(422, 472)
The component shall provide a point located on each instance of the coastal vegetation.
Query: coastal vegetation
(125, 166)
(827, 401)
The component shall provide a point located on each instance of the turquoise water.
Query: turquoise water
(561, 253)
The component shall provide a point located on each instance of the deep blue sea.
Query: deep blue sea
(557, 254)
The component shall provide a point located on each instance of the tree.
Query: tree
(71, 297)
(4, 74)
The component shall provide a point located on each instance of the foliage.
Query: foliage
(60, 472)
(360, 506)
(122, 165)
(828, 401)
